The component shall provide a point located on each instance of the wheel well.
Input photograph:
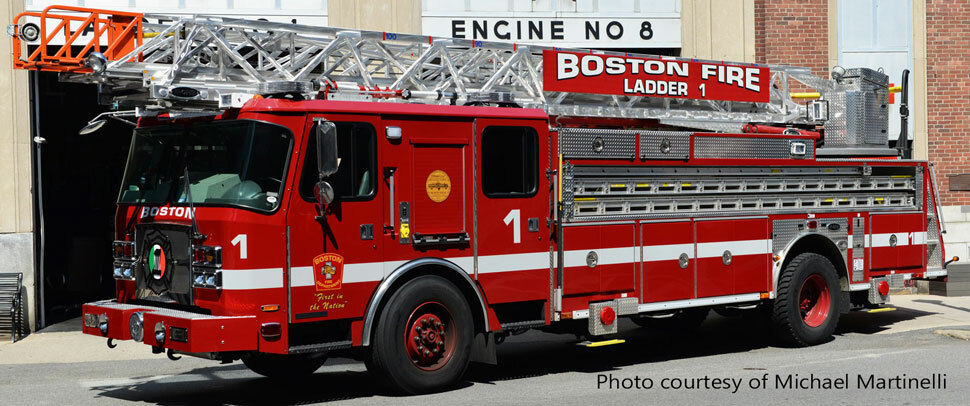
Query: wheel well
(819, 244)
(444, 271)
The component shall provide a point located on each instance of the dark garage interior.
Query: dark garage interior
(78, 187)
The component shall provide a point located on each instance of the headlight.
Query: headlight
(135, 326)
(206, 278)
(124, 271)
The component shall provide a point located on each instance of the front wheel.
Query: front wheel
(806, 309)
(423, 337)
(280, 366)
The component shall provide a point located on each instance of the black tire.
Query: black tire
(391, 356)
(793, 325)
(686, 319)
(280, 366)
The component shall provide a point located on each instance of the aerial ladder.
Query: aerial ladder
(207, 62)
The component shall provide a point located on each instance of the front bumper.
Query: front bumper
(184, 331)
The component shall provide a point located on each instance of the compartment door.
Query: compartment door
(600, 258)
(898, 241)
(668, 261)
(438, 188)
(732, 257)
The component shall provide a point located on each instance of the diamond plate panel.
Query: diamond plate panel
(874, 296)
(626, 306)
(859, 110)
(598, 143)
(665, 144)
(934, 253)
(751, 148)
(919, 187)
(836, 129)
(783, 232)
(568, 184)
(897, 281)
(596, 327)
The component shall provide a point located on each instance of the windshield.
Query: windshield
(237, 162)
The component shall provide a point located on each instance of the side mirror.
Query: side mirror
(326, 149)
(323, 192)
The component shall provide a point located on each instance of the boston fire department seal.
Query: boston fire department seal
(438, 186)
(328, 271)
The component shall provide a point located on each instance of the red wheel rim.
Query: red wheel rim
(814, 300)
(430, 335)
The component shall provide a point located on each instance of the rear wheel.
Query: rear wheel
(423, 337)
(806, 309)
(282, 366)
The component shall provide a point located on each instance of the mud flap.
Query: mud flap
(483, 349)
(846, 301)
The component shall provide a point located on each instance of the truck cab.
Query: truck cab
(233, 242)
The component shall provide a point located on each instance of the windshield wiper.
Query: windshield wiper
(196, 235)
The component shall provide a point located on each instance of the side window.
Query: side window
(510, 162)
(357, 170)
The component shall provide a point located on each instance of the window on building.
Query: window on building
(510, 161)
(357, 170)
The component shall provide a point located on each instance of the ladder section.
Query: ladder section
(595, 192)
(215, 63)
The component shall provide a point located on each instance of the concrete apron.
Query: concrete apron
(64, 343)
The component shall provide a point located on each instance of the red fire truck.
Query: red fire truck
(298, 192)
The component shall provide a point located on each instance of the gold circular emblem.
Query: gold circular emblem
(438, 186)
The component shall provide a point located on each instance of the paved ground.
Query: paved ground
(61, 366)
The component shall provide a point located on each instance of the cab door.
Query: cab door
(512, 206)
(335, 258)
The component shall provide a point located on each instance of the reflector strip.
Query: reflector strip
(902, 238)
(243, 279)
(747, 247)
(375, 271)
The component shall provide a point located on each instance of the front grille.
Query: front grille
(163, 272)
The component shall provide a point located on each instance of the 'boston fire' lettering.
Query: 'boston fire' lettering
(733, 75)
(571, 65)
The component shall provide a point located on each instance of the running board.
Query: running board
(743, 299)
(321, 347)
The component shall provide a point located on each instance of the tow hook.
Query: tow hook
(111, 343)
(172, 356)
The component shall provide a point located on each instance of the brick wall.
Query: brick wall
(948, 84)
(792, 32)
